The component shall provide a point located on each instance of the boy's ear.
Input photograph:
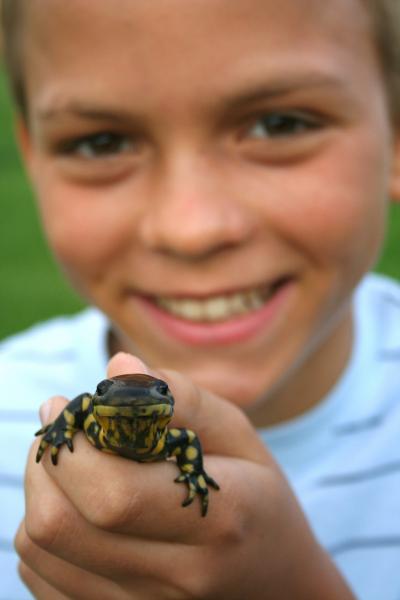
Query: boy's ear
(394, 189)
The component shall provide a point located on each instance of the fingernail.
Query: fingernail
(44, 412)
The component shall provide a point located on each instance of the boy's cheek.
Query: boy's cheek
(82, 231)
(338, 205)
(344, 229)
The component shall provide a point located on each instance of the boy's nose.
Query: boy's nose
(193, 212)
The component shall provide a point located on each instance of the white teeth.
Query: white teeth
(218, 308)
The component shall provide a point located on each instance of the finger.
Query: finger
(41, 590)
(110, 491)
(45, 573)
(142, 569)
(53, 524)
(119, 495)
(222, 427)
(115, 495)
(123, 496)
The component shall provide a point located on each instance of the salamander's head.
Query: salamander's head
(135, 396)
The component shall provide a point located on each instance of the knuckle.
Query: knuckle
(232, 518)
(119, 506)
(232, 528)
(241, 509)
(24, 547)
(25, 573)
(44, 523)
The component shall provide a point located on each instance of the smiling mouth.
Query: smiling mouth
(220, 307)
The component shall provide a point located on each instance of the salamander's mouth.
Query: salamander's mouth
(141, 411)
(220, 307)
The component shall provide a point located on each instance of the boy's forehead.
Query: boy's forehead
(140, 16)
(176, 40)
(135, 13)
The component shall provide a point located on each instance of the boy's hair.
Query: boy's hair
(385, 19)
(385, 25)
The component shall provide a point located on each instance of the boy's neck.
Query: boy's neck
(323, 368)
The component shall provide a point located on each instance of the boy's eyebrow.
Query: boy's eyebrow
(253, 92)
(282, 87)
(84, 110)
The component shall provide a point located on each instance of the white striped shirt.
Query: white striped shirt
(342, 458)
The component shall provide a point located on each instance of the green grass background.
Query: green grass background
(31, 286)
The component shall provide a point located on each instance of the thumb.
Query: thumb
(123, 363)
(221, 426)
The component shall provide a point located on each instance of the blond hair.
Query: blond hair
(385, 27)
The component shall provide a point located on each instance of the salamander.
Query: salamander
(128, 415)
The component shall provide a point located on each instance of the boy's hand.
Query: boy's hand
(99, 526)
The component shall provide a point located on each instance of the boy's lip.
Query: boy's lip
(204, 292)
(218, 318)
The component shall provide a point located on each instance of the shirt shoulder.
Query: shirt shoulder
(65, 355)
(377, 309)
(58, 356)
(54, 335)
(377, 338)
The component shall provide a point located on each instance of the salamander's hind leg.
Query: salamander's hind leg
(185, 445)
(63, 428)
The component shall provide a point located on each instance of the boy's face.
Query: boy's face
(224, 161)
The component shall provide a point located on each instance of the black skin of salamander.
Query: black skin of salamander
(140, 433)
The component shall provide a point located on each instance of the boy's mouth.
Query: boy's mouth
(219, 307)
(223, 318)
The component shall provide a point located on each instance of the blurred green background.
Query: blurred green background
(31, 287)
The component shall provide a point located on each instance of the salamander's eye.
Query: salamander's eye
(162, 388)
(103, 387)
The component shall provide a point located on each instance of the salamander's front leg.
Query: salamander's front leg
(185, 445)
(62, 430)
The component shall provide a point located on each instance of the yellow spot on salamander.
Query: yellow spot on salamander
(69, 417)
(191, 435)
(202, 482)
(160, 446)
(187, 468)
(175, 432)
(87, 422)
(191, 453)
(101, 438)
(86, 403)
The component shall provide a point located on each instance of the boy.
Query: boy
(213, 176)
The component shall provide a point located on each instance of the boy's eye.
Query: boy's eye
(279, 125)
(98, 145)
